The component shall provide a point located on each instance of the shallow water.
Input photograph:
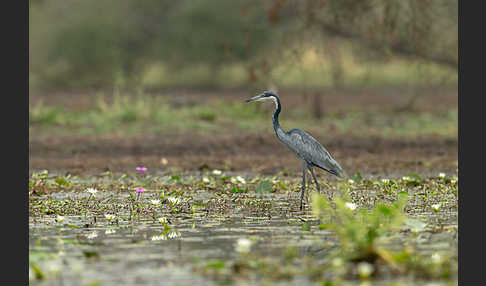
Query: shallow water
(142, 253)
(89, 250)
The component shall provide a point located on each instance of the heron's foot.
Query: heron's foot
(306, 199)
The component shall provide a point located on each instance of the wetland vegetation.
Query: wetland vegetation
(196, 189)
(220, 227)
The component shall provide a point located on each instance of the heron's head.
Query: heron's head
(266, 95)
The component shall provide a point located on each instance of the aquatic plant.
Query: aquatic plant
(155, 202)
(92, 192)
(359, 229)
(139, 191)
(110, 217)
(243, 245)
(141, 170)
(181, 202)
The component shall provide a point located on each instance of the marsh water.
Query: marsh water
(196, 245)
(88, 251)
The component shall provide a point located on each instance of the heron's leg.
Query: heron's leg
(329, 194)
(304, 167)
(315, 179)
(317, 183)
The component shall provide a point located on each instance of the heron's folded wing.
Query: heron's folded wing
(312, 151)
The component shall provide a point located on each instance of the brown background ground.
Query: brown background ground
(263, 153)
(259, 153)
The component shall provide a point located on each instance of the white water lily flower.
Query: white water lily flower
(155, 202)
(174, 201)
(92, 191)
(238, 179)
(92, 235)
(351, 181)
(110, 231)
(217, 172)
(243, 245)
(173, 234)
(60, 218)
(436, 257)
(351, 206)
(337, 262)
(406, 178)
(205, 180)
(365, 269)
(453, 181)
(442, 175)
(385, 181)
(158, 237)
(162, 236)
(436, 207)
(241, 179)
(109, 217)
(162, 220)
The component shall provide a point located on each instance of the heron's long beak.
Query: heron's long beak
(254, 98)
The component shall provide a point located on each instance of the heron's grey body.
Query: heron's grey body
(306, 147)
(309, 150)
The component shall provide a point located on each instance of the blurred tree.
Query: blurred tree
(97, 42)
(215, 33)
(93, 43)
(421, 30)
(424, 29)
(86, 43)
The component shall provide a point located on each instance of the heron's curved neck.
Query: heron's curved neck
(276, 124)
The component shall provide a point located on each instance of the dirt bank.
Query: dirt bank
(250, 152)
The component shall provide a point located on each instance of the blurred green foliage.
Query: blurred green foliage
(82, 44)
(144, 114)
(358, 230)
(86, 43)
(365, 237)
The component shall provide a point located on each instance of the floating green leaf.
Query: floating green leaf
(61, 181)
(306, 226)
(264, 187)
(357, 177)
(236, 190)
(215, 264)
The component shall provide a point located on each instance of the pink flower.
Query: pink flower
(141, 170)
(139, 191)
